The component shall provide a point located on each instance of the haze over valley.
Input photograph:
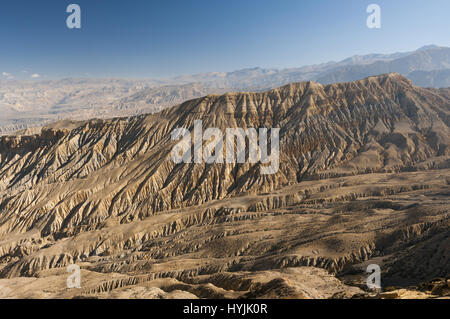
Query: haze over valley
(32, 104)
(235, 150)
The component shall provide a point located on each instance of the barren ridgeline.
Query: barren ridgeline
(363, 177)
(27, 105)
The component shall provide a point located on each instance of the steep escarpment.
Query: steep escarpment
(122, 168)
(107, 193)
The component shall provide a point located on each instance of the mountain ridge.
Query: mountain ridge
(32, 104)
(298, 109)
(363, 178)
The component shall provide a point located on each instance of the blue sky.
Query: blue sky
(159, 38)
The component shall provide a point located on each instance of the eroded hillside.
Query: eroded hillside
(364, 174)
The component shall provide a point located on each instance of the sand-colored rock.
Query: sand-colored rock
(364, 174)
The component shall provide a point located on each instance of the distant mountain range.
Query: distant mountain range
(431, 59)
(25, 104)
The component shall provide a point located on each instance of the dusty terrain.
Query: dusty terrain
(26, 104)
(364, 178)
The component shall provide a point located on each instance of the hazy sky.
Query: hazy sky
(149, 38)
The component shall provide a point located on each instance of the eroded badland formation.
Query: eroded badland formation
(364, 178)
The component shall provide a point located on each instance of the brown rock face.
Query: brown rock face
(364, 173)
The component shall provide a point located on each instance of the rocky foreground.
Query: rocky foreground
(364, 178)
